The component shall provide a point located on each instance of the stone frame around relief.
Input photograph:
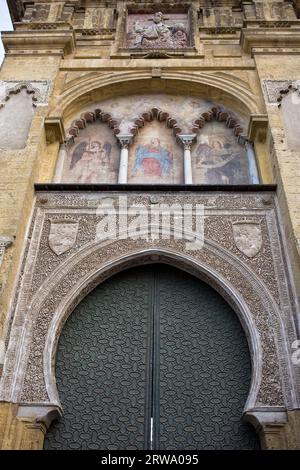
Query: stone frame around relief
(186, 8)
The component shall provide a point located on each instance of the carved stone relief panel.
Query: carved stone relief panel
(37, 12)
(158, 31)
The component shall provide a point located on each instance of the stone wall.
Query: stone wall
(239, 54)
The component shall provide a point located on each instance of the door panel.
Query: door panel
(152, 358)
(101, 368)
(204, 368)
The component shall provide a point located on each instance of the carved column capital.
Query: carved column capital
(125, 140)
(187, 140)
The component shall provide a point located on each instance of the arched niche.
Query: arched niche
(103, 376)
(15, 118)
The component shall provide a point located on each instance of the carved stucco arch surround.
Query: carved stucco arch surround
(29, 378)
(222, 87)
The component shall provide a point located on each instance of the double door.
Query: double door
(152, 359)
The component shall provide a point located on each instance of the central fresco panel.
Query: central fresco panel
(155, 156)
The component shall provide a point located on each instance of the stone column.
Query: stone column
(252, 163)
(125, 141)
(62, 155)
(187, 141)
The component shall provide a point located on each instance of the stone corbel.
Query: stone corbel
(39, 414)
(270, 424)
(54, 129)
(258, 127)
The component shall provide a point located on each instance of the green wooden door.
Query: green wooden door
(152, 358)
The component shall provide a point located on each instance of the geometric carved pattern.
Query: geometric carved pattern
(102, 361)
(52, 286)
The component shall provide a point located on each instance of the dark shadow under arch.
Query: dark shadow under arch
(104, 351)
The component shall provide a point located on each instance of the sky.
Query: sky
(5, 24)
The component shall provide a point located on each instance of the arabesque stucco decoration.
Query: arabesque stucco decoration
(255, 283)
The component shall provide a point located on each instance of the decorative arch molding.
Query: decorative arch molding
(90, 117)
(81, 277)
(256, 288)
(38, 90)
(220, 115)
(99, 86)
(155, 114)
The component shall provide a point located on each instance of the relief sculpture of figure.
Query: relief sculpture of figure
(159, 34)
(152, 160)
(90, 161)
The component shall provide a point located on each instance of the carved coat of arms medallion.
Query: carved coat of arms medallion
(248, 237)
(62, 235)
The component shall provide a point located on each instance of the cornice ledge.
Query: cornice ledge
(266, 38)
(62, 42)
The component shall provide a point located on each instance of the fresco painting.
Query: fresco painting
(218, 158)
(155, 157)
(94, 157)
(158, 31)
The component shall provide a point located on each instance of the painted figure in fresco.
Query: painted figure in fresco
(218, 161)
(90, 161)
(159, 34)
(152, 160)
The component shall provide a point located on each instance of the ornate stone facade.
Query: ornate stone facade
(141, 92)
